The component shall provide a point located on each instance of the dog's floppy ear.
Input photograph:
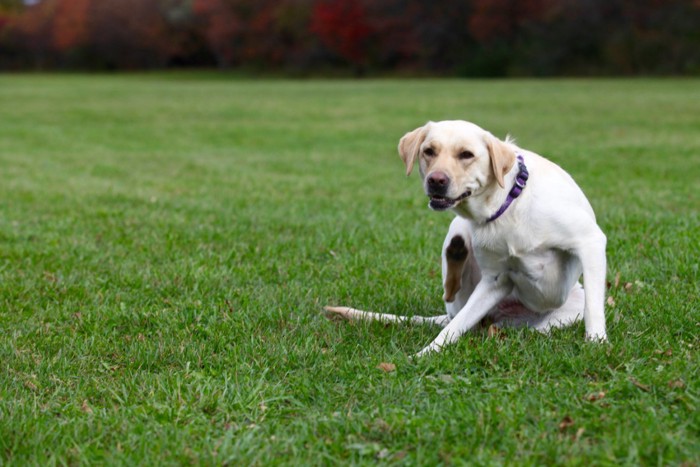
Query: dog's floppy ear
(409, 146)
(502, 158)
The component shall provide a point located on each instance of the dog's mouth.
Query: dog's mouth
(440, 203)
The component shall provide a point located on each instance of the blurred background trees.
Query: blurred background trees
(439, 37)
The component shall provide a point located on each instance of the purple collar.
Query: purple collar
(520, 181)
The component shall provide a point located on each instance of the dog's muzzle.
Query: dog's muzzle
(441, 203)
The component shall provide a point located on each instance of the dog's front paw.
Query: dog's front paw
(599, 336)
(427, 350)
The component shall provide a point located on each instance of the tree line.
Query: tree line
(436, 37)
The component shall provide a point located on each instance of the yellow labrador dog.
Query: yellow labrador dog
(523, 236)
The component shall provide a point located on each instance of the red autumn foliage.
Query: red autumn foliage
(71, 23)
(343, 27)
(468, 37)
(221, 28)
(266, 32)
(493, 19)
(129, 33)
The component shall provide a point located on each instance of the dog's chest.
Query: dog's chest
(530, 265)
(542, 275)
(516, 255)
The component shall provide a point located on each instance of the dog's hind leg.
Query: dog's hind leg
(360, 315)
(569, 313)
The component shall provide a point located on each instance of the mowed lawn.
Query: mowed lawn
(168, 241)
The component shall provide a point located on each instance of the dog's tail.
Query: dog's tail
(360, 315)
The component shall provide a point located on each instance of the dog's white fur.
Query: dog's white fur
(523, 268)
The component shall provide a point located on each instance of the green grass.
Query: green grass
(167, 243)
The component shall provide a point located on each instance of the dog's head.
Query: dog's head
(456, 160)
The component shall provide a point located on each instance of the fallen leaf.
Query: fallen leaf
(628, 287)
(387, 367)
(595, 396)
(50, 277)
(383, 454)
(381, 425)
(495, 331)
(85, 407)
(365, 449)
(610, 301)
(565, 423)
(579, 433)
(676, 384)
(641, 386)
(617, 279)
(446, 379)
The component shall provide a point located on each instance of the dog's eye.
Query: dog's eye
(466, 155)
(429, 152)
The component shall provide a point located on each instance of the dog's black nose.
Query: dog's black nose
(438, 182)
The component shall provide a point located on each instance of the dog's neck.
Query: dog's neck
(515, 192)
(481, 207)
